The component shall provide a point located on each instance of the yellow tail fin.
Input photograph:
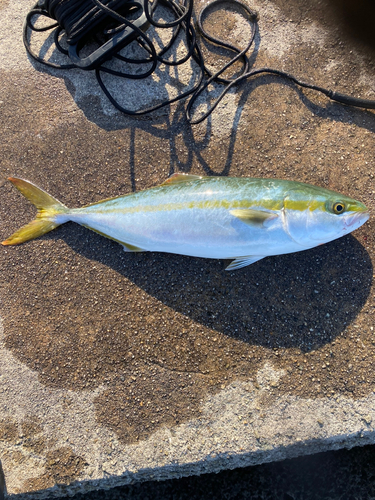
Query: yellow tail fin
(48, 207)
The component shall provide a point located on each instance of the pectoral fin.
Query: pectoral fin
(253, 217)
(243, 261)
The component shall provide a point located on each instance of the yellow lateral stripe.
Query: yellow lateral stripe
(302, 205)
(217, 204)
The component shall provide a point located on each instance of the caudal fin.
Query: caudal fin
(48, 208)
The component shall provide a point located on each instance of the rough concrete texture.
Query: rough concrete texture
(117, 367)
(330, 475)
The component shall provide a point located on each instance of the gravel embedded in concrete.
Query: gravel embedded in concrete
(119, 368)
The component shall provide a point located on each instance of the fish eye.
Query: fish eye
(338, 207)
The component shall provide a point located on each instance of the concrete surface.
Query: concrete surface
(117, 368)
(332, 475)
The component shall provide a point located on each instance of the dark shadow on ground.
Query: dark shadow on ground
(167, 330)
(353, 18)
(334, 475)
(301, 300)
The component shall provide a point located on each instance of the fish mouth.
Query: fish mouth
(356, 220)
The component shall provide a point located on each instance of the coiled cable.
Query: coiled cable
(80, 19)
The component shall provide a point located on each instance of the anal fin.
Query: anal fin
(127, 246)
(131, 248)
(243, 261)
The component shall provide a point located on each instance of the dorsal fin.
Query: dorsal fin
(179, 177)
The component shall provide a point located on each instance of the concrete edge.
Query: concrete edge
(207, 465)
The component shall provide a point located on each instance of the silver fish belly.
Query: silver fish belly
(213, 217)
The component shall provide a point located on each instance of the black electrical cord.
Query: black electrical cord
(184, 13)
(335, 96)
(81, 19)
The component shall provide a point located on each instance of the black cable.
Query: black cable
(153, 58)
(81, 19)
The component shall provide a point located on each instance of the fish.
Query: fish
(242, 219)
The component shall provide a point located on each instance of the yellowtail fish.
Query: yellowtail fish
(243, 219)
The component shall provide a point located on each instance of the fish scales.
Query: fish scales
(192, 218)
(244, 219)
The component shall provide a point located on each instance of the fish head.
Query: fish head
(313, 216)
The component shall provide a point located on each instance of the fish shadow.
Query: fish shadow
(302, 300)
